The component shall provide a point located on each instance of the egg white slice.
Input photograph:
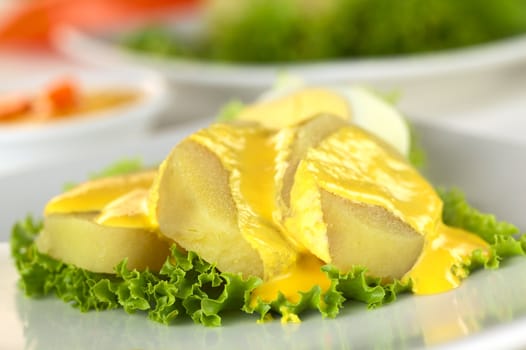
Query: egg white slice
(375, 115)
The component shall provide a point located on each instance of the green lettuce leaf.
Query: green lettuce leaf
(458, 213)
(354, 285)
(120, 167)
(417, 154)
(186, 284)
(265, 31)
(230, 111)
(504, 238)
(188, 287)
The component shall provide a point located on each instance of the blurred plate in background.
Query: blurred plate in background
(463, 77)
(25, 143)
(105, 48)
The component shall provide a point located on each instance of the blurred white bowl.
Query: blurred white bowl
(102, 49)
(463, 77)
(25, 144)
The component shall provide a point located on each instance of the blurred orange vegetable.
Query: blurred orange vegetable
(62, 98)
(59, 97)
(13, 106)
(62, 95)
(32, 22)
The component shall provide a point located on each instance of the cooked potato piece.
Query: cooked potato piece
(356, 201)
(297, 107)
(196, 209)
(361, 234)
(94, 195)
(130, 210)
(76, 239)
(306, 135)
(216, 197)
(251, 199)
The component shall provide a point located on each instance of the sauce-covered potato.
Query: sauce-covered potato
(97, 224)
(77, 239)
(274, 198)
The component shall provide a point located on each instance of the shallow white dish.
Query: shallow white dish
(488, 311)
(22, 144)
(485, 313)
(464, 77)
(102, 49)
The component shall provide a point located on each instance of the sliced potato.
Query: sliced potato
(95, 194)
(216, 197)
(357, 201)
(306, 135)
(76, 239)
(196, 209)
(361, 234)
(129, 210)
(297, 107)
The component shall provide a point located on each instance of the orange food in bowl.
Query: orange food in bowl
(62, 95)
(61, 99)
(13, 106)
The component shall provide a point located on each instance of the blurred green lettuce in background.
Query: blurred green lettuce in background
(306, 30)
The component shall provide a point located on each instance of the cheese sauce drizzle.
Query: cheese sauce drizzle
(350, 163)
(249, 153)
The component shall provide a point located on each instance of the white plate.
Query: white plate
(487, 312)
(465, 78)
(22, 144)
(102, 49)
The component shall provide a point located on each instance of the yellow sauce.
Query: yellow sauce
(439, 267)
(256, 185)
(355, 165)
(305, 274)
(249, 154)
(129, 210)
(350, 163)
(292, 110)
(96, 194)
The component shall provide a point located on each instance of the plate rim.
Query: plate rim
(69, 39)
(152, 101)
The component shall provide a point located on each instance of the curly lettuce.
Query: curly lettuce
(185, 286)
(189, 287)
(289, 31)
(505, 239)
(121, 167)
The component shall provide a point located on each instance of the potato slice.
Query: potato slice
(76, 239)
(195, 208)
(368, 235)
(129, 210)
(95, 194)
(355, 200)
(296, 107)
(216, 197)
(305, 136)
